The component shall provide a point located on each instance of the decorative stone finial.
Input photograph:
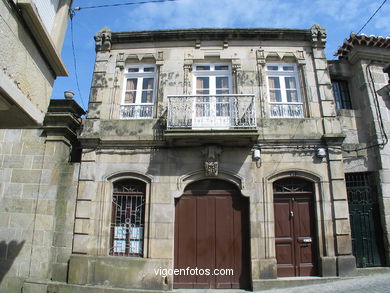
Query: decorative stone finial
(103, 40)
(68, 95)
(318, 34)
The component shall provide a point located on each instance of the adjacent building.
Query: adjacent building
(36, 139)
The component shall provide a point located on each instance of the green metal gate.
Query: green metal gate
(367, 235)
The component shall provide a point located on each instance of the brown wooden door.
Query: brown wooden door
(212, 232)
(295, 240)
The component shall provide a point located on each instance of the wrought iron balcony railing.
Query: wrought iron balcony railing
(286, 110)
(136, 111)
(211, 111)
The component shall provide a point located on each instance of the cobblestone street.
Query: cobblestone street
(367, 284)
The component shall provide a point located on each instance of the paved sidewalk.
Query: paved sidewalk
(364, 284)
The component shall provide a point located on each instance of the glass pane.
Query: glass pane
(130, 97)
(147, 84)
(292, 96)
(202, 85)
(288, 68)
(202, 67)
(131, 84)
(120, 232)
(149, 69)
(275, 96)
(223, 106)
(147, 96)
(135, 247)
(134, 69)
(136, 233)
(119, 246)
(222, 82)
(222, 92)
(290, 82)
(221, 67)
(202, 106)
(272, 67)
(274, 82)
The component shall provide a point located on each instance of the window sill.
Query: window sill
(346, 112)
(37, 28)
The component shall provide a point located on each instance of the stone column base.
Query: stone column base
(328, 266)
(265, 268)
(346, 265)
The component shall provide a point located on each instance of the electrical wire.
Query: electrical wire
(376, 11)
(122, 4)
(74, 59)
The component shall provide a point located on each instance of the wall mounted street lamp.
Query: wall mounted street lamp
(256, 154)
(320, 153)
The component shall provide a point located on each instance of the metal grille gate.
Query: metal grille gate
(367, 237)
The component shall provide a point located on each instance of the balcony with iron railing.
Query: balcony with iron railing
(211, 118)
(286, 110)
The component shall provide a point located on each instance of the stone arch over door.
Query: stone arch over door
(212, 232)
(296, 247)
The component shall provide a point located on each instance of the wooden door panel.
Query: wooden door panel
(295, 234)
(205, 241)
(212, 232)
(185, 242)
(282, 218)
(224, 254)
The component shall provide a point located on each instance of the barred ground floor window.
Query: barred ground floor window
(128, 218)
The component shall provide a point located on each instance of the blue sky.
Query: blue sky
(339, 18)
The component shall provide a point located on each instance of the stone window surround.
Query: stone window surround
(325, 245)
(140, 76)
(107, 212)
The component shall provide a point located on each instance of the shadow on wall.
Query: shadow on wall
(8, 253)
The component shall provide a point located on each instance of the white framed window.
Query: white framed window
(212, 85)
(283, 90)
(138, 92)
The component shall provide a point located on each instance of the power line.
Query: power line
(376, 11)
(123, 4)
(74, 60)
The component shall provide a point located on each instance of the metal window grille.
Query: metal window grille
(361, 188)
(341, 94)
(127, 223)
(293, 185)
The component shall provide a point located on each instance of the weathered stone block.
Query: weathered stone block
(341, 209)
(344, 244)
(161, 248)
(80, 243)
(87, 190)
(83, 209)
(346, 265)
(82, 226)
(328, 266)
(25, 176)
(44, 222)
(342, 226)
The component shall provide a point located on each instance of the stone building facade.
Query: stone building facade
(186, 119)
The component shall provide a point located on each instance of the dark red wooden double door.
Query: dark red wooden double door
(212, 232)
(295, 240)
